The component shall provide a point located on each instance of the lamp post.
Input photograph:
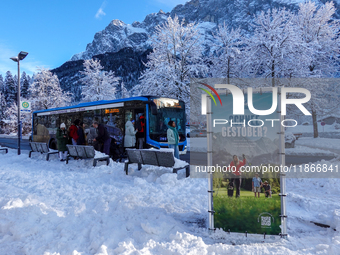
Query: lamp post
(17, 59)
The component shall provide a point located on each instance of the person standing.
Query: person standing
(173, 138)
(62, 139)
(141, 132)
(256, 184)
(102, 137)
(74, 131)
(81, 134)
(235, 166)
(130, 134)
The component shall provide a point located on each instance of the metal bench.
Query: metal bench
(4, 149)
(154, 158)
(298, 135)
(42, 148)
(85, 152)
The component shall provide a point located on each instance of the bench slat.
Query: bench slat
(149, 157)
(90, 151)
(72, 150)
(165, 158)
(134, 156)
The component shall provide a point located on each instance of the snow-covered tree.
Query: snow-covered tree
(319, 34)
(176, 57)
(10, 89)
(11, 117)
(3, 106)
(225, 62)
(24, 85)
(45, 91)
(274, 50)
(98, 84)
(2, 85)
(123, 91)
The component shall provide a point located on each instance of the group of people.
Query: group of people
(133, 135)
(76, 135)
(257, 183)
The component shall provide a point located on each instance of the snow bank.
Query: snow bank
(307, 151)
(48, 207)
(321, 143)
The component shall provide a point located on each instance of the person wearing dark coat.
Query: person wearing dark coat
(62, 139)
(74, 131)
(103, 137)
(141, 132)
(81, 134)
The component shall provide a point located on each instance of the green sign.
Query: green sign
(25, 106)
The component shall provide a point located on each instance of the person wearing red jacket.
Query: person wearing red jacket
(141, 132)
(235, 166)
(73, 131)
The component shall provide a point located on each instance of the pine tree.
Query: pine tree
(3, 106)
(45, 91)
(176, 57)
(98, 84)
(2, 84)
(24, 85)
(10, 89)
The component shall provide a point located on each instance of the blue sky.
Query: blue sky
(52, 31)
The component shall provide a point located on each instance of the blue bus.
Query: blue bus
(158, 111)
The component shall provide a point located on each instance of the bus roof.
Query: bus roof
(141, 98)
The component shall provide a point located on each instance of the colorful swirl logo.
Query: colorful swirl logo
(209, 93)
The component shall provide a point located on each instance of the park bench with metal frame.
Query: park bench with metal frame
(85, 152)
(4, 149)
(297, 136)
(154, 158)
(42, 148)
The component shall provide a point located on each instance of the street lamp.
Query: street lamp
(20, 56)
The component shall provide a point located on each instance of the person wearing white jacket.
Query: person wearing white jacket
(173, 138)
(130, 135)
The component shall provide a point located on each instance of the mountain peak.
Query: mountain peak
(208, 14)
(117, 22)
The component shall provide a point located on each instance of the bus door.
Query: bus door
(135, 114)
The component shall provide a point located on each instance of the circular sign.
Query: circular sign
(25, 104)
(323, 123)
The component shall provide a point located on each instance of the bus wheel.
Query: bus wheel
(53, 145)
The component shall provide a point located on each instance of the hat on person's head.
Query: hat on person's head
(265, 182)
(133, 121)
(62, 125)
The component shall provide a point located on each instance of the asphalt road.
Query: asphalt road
(199, 158)
(13, 143)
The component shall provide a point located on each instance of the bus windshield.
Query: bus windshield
(167, 109)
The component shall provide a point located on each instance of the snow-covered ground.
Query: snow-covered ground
(300, 150)
(54, 208)
(321, 143)
(309, 128)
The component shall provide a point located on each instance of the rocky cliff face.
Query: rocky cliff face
(127, 63)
